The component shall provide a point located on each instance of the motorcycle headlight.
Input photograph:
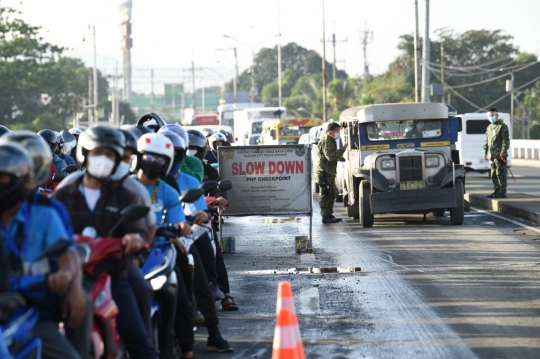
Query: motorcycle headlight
(432, 161)
(388, 164)
(158, 282)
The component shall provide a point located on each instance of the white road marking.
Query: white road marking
(507, 219)
(391, 261)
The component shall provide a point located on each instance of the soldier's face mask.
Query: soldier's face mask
(493, 119)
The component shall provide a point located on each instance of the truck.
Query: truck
(402, 159)
(286, 131)
(248, 122)
(226, 111)
(471, 141)
(204, 119)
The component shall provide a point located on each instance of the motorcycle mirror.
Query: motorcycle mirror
(71, 168)
(208, 186)
(59, 177)
(56, 248)
(191, 195)
(134, 212)
(225, 185)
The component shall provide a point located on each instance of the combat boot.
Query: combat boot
(329, 219)
(492, 195)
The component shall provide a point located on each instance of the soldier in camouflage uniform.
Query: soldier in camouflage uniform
(326, 171)
(495, 149)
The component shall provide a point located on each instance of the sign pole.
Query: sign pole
(310, 169)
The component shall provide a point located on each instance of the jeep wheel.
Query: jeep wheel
(457, 214)
(364, 208)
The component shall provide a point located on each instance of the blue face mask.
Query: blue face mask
(336, 136)
(493, 119)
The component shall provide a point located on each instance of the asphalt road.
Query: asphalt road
(527, 180)
(427, 289)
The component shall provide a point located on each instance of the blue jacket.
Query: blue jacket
(59, 163)
(68, 159)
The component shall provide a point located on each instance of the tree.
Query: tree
(37, 82)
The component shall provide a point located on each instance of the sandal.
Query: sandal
(228, 303)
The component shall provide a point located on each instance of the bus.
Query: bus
(226, 111)
(286, 131)
(401, 159)
(471, 141)
(248, 122)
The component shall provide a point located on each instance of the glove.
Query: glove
(503, 156)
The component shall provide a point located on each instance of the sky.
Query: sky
(169, 34)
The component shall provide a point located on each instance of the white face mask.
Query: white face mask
(121, 171)
(100, 166)
(191, 153)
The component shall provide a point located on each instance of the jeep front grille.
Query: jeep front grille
(410, 168)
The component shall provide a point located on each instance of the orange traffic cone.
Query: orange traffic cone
(285, 302)
(285, 345)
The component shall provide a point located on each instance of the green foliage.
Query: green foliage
(389, 88)
(39, 86)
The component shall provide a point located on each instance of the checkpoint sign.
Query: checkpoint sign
(267, 180)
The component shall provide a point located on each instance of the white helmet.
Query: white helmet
(216, 137)
(154, 143)
(75, 131)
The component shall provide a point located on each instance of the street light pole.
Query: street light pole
(416, 56)
(324, 65)
(235, 75)
(279, 53)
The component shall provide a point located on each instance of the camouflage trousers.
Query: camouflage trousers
(327, 196)
(499, 175)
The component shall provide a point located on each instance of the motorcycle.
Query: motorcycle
(106, 341)
(18, 317)
(158, 270)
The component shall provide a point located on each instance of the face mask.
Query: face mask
(121, 171)
(336, 136)
(493, 119)
(99, 166)
(153, 170)
(11, 199)
(191, 153)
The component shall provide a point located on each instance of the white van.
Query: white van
(471, 141)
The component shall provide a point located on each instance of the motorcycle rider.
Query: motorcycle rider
(23, 237)
(75, 132)
(197, 149)
(215, 141)
(192, 168)
(143, 292)
(60, 151)
(94, 203)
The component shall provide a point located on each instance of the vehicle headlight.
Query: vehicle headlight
(158, 282)
(432, 161)
(388, 164)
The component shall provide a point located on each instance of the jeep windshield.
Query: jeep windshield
(403, 130)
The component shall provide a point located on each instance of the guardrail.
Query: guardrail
(525, 149)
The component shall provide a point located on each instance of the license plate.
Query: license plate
(409, 185)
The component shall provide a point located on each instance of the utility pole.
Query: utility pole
(416, 56)
(279, 53)
(442, 72)
(333, 41)
(202, 90)
(235, 75)
(324, 65)
(96, 116)
(368, 37)
(152, 91)
(173, 102)
(425, 70)
(193, 86)
(89, 106)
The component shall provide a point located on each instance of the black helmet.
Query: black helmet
(49, 136)
(137, 130)
(131, 139)
(100, 136)
(15, 161)
(197, 138)
(207, 132)
(3, 130)
(151, 116)
(39, 151)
